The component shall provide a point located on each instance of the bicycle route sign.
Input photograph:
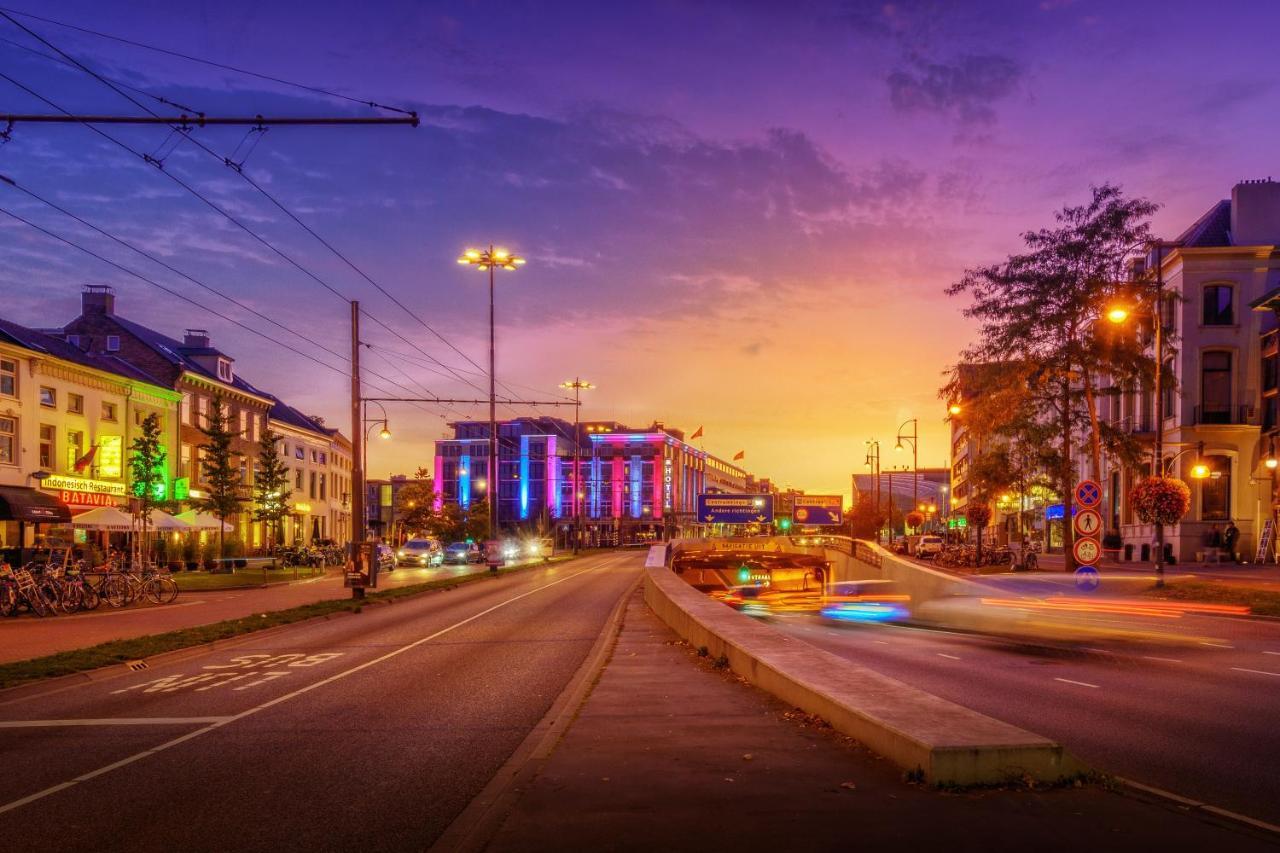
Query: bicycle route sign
(1087, 578)
(1086, 551)
(1088, 493)
(1088, 522)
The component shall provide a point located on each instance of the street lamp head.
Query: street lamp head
(1272, 462)
(495, 258)
(898, 446)
(1199, 471)
(954, 409)
(385, 433)
(1118, 314)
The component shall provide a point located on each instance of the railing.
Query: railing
(1243, 414)
(864, 552)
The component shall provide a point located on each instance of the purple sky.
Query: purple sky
(739, 215)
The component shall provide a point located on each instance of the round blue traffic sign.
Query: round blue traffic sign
(1087, 578)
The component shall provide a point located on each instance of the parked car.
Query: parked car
(417, 552)
(463, 552)
(928, 547)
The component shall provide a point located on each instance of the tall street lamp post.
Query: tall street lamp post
(1119, 314)
(384, 434)
(578, 387)
(873, 462)
(488, 260)
(914, 438)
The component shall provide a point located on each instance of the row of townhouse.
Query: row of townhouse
(72, 398)
(1220, 416)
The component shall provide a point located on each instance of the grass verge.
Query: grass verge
(1263, 602)
(119, 651)
(203, 581)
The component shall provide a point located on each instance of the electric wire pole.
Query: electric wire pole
(358, 518)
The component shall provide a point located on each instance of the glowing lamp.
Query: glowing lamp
(1199, 470)
(954, 408)
(1272, 462)
(1118, 314)
(385, 433)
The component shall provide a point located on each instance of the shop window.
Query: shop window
(75, 404)
(8, 441)
(1218, 310)
(48, 397)
(48, 445)
(1215, 490)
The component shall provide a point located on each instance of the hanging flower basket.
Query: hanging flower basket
(914, 520)
(977, 515)
(1160, 500)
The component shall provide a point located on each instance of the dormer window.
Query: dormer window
(224, 370)
(74, 340)
(113, 343)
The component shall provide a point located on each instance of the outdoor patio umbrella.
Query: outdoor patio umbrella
(202, 521)
(103, 518)
(161, 520)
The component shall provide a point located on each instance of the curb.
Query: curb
(58, 683)
(1213, 814)
(477, 824)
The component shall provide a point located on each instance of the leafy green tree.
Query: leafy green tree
(219, 469)
(415, 502)
(865, 519)
(476, 522)
(271, 487)
(147, 472)
(1039, 311)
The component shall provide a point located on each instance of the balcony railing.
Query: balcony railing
(1242, 415)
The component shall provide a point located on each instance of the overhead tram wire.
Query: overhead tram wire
(410, 358)
(193, 191)
(316, 89)
(274, 201)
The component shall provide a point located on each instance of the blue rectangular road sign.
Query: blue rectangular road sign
(735, 509)
(825, 510)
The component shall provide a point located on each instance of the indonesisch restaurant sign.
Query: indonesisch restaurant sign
(81, 491)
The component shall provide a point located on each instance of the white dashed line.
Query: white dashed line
(112, 721)
(1270, 653)
(945, 655)
(1217, 645)
(1165, 660)
(881, 642)
(1256, 671)
(1081, 683)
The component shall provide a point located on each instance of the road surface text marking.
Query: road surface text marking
(1081, 683)
(124, 762)
(261, 668)
(1256, 671)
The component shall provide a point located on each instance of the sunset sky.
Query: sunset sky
(737, 215)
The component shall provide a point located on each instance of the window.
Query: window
(184, 409)
(1215, 490)
(297, 479)
(202, 411)
(1218, 310)
(1269, 374)
(48, 444)
(314, 456)
(323, 458)
(1215, 387)
(299, 452)
(312, 491)
(8, 441)
(224, 370)
(113, 343)
(1167, 391)
(184, 456)
(74, 340)
(75, 404)
(8, 377)
(108, 411)
(75, 448)
(322, 487)
(48, 397)
(111, 457)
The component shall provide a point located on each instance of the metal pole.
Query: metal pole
(357, 438)
(915, 463)
(1158, 461)
(577, 455)
(493, 424)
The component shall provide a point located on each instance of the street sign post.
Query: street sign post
(1086, 551)
(735, 509)
(821, 510)
(1088, 493)
(1088, 522)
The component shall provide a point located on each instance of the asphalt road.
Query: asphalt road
(370, 731)
(1201, 720)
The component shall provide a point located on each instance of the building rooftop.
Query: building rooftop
(58, 348)
(1211, 229)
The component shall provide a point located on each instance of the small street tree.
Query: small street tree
(915, 518)
(865, 519)
(271, 489)
(476, 522)
(415, 502)
(219, 470)
(978, 515)
(147, 472)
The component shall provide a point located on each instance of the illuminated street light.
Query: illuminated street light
(578, 386)
(1272, 463)
(954, 409)
(1118, 314)
(385, 433)
(487, 260)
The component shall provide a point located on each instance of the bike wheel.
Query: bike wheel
(115, 591)
(71, 598)
(161, 590)
(8, 600)
(89, 598)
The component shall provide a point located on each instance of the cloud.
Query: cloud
(965, 88)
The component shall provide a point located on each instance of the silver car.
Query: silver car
(418, 552)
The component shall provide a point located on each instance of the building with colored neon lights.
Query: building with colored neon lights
(632, 484)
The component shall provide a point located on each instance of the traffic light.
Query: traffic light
(784, 524)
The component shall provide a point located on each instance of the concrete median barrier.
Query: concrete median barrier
(942, 741)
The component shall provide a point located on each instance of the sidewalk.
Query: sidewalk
(27, 636)
(668, 753)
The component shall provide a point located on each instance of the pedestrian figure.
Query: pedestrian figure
(1214, 537)
(1230, 537)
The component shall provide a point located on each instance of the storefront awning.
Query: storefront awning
(18, 503)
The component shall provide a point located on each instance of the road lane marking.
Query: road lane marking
(112, 721)
(945, 655)
(124, 762)
(1256, 671)
(1166, 660)
(1217, 645)
(1270, 653)
(1081, 683)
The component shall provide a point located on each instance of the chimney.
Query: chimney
(195, 338)
(1255, 213)
(98, 299)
